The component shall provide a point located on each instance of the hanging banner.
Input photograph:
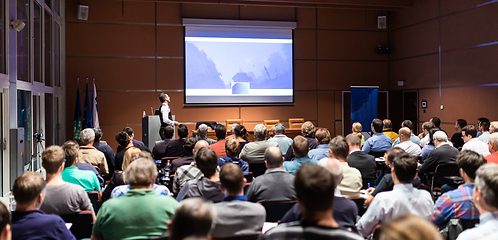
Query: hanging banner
(364, 105)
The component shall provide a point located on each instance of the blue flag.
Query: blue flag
(87, 111)
(77, 117)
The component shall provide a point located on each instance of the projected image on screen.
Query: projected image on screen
(238, 66)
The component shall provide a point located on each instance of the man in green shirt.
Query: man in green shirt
(140, 213)
(87, 179)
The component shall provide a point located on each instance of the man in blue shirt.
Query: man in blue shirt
(283, 141)
(300, 149)
(414, 138)
(28, 221)
(322, 150)
(379, 142)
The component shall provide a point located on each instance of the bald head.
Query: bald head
(200, 144)
(334, 167)
(404, 134)
(273, 157)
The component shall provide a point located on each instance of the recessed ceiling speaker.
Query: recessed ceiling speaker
(381, 22)
(82, 12)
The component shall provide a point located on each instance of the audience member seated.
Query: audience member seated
(356, 129)
(235, 216)
(188, 147)
(409, 227)
(429, 147)
(283, 141)
(86, 179)
(232, 150)
(414, 138)
(378, 142)
(240, 134)
(472, 143)
(315, 188)
(322, 150)
(484, 128)
(104, 148)
(405, 143)
(424, 136)
(486, 200)
(276, 184)
(141, 212)
(387, 129)
(493, 148)
(61, 197)
(124, 140)
(444, 154)
(131, 134)
(89, 154)
(403, 199)
(386, 183)
(208, 185)
(307, 131)
(493, 127)
(254, 152)
(437, 124)
(457, 139)
(186, 173)
(5, 225)
(202, 132)
(193, 219)
(344, 211)
(219, 147)
(117, 178)
(161, 147)
(28, 221)
(365, 163)
(175, 146)
(300, 149)
(352, 182)
(458, 204)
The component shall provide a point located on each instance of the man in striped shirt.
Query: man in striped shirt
(458, 204)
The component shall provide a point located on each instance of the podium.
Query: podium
(150, 130)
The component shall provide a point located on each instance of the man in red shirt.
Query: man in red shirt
(493, 148)
(219, 146)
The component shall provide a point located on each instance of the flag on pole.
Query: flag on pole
(95, 113)
(77, 115)
(87, 112)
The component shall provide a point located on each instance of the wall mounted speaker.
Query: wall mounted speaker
(82, 12)
(381, 22)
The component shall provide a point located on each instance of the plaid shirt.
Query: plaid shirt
(123, 189)
(185, 173)
(455, 204)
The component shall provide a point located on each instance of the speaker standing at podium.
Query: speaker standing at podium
(165, 114)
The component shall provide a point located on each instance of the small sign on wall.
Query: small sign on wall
(424, 104)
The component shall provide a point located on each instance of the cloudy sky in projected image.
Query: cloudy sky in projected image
(232, 57)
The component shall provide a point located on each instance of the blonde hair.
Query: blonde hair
(409, 227)
(493, 124)
(127, 156)
(357, 128)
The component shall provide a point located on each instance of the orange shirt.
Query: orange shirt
(219, 148)
(493, 158)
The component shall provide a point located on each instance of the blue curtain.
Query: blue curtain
(364, 104)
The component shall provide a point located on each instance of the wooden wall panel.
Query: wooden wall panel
(268, 13)
(210, 11)
(348, 19)
(170, 42)
(470, 67)
(432, 110)
(123, 107)
(477, 25)
(304, 75)
(415, 40)
(306, 17)
(87, 39)
(304, 44)
(418, 72)
(421, 11)
(170, 74)
(326, 110)
(336, 75)
(338, 105)
(113, 11)
(350, 45)
(169, 13)
(112, 73)
(451, 6)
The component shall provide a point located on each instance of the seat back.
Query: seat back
(241, 237)
(443, 171)
(257, 169)
(360, 204)
(94, 198)
(270, 123)
(232, 121)
(296, 122)
(275, 210)
(81, 223)
(376, 154)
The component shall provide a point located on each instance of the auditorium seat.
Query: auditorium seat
(296, 122)
(240, 237)
(81, 223)
(94, 198)
(275, 210)
(232, 121)
(257, 169)
(270, 123)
